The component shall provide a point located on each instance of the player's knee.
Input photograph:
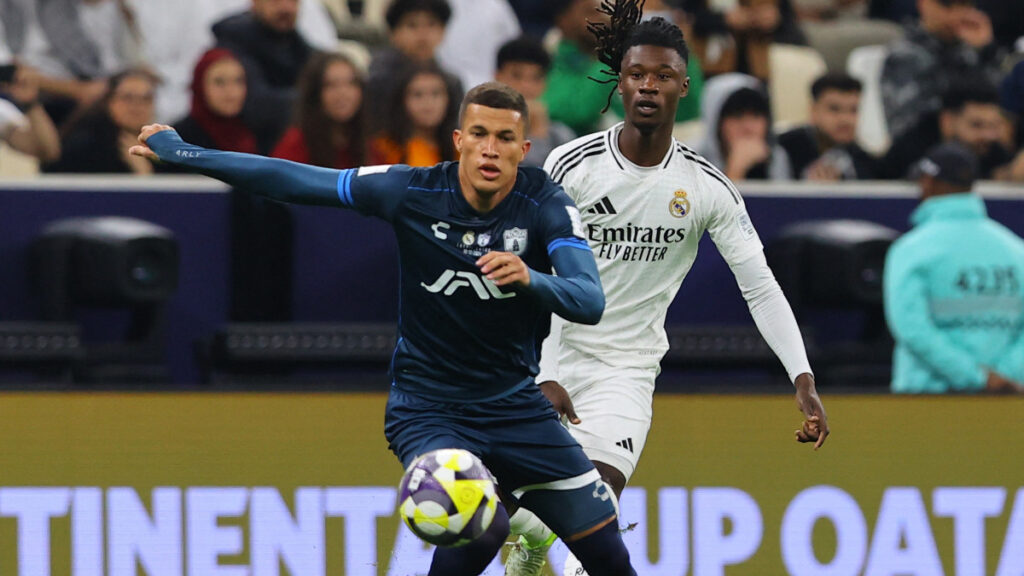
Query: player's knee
(574, 512)
(495, 536)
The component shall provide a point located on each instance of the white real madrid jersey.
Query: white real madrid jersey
(644, 225)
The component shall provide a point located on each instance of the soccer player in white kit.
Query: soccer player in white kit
(646, 200)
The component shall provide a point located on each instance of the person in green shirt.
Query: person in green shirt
(954, 288)
(571, 98)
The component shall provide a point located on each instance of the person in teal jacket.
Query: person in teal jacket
(954, 288)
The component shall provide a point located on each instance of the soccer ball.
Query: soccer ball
(447, 497)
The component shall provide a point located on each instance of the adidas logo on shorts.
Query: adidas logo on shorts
(627, 444)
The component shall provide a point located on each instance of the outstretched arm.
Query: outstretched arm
(775, 320)
(271, 177)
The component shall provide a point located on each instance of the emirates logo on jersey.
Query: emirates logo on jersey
(679, 206)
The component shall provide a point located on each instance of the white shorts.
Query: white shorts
(614, 405)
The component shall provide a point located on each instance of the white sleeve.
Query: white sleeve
(772, 313)
(730, 227)
(549, 351)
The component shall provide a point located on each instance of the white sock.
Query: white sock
(531, 528)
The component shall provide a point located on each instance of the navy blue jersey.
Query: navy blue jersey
(459, 333)
(461, 337)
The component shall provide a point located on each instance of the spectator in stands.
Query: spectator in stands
(970, 115)
(266, 42)
(98, 141)
(826, 149)
(218, 96)
(738, 134)
(172, 36)
(416, 29)
(954, 288)
(952, 39)
(477, 29)
(329, 129)
(24, 124)
(572, 98)
(1007, 16)
(71, 47)
(736, 39)
(524, 64)
(419, 122)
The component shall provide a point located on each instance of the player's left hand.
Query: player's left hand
(504, 268)
(815, 425)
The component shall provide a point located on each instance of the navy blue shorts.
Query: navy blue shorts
(519, 437)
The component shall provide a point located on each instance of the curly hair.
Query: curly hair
(626, 29)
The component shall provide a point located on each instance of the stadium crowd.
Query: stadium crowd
(821, 90)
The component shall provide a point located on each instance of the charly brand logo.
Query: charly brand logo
(515, 241)
(679, 206)
(450, 281)
(439, 228)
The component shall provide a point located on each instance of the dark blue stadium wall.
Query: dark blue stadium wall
(345, 264)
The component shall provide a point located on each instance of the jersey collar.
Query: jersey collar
(612, 136)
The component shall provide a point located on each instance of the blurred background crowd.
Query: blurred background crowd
(822, 90)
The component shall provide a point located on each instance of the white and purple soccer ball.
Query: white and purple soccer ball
(447, 497)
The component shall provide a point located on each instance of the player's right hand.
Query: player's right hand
(559, 398)
(141, 149)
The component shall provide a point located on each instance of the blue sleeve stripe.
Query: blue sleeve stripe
(345, 186)
(577, 243)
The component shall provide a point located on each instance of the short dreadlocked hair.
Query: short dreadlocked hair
(627, 29)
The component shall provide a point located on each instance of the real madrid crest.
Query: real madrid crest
(679, 206)
(469, 238)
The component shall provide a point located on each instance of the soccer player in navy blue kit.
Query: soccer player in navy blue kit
(477, 242)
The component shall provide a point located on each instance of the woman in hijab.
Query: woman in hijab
(218, 95)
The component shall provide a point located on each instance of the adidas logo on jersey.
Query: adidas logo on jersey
(604, 206)
(627, 444)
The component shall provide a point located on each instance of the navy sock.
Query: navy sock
(603, 552)
(473, 558)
